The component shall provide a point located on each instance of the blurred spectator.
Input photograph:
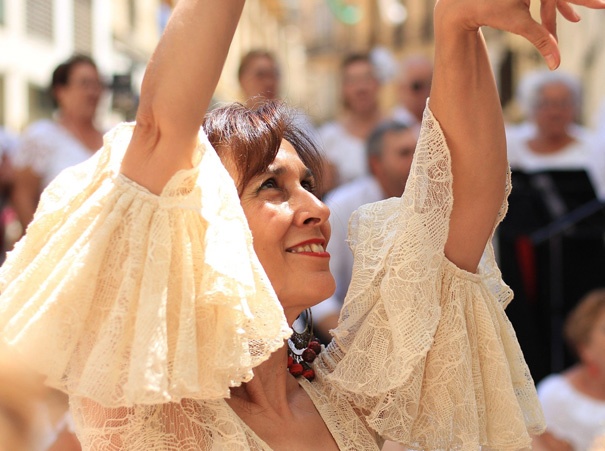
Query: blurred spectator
(343, 140)
(553, 140)
(413, 84)
(260, 80)
(548, 264)
(259, 77)
(389, 152)
(49, 146)
(8, 145)
(574, 401)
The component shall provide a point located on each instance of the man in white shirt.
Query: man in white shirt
(390, 150)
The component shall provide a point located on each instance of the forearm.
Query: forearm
(465, 101)
(187, 63)
(177, 88)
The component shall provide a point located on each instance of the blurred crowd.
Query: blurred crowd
(551, 244)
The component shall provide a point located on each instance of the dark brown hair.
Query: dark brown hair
(62, 73)
(582, 319)
(353, 58)
(252, 137)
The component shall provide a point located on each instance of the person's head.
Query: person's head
(360, 84)
(552, 100)
(277, 172)
(585, 330)
(258, 76)
(390, 149)
(76, 87)
(413, 83)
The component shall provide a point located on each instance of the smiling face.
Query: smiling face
(555, 110)
(290, 231)
(360, 87)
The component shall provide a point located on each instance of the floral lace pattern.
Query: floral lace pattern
(424, 354)
(125, 297)
(424, 347)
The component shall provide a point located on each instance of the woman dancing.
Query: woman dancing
(159, 293)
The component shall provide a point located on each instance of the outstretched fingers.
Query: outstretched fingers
(542, 38)
(594, 4)
(567, 11)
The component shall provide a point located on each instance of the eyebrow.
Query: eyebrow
(280, 170)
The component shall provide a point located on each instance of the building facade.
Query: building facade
(36, 35)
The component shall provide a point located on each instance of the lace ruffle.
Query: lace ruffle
(424, 348)
(124, 297)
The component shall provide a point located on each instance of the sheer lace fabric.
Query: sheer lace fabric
(126, 297)
(423, 347)
(423, 355)
(207, 425)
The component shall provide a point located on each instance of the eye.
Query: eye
(269, 184)
(309, 185)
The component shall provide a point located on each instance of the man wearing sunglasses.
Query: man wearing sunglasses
(413, 86)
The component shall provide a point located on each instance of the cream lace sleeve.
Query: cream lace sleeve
(424, 348)
(124, 297)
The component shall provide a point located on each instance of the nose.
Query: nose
(309, 210)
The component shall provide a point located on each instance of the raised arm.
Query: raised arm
(465, 101)
(177, 88)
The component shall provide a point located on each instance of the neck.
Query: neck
(361, 124)
(549, 143)
(71, 121)
(587, 382)
(271, 386)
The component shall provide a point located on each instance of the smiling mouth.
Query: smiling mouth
(307, 248)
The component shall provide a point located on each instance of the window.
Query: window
(40, 103)
(39, 18)
(83, 26)
(1, 12)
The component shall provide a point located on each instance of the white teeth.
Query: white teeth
(317, 248)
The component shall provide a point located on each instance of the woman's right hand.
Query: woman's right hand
(514, 16)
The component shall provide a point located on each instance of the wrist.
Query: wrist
(452, 17)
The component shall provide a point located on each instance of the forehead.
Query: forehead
(82, 70)
(357, 67)
(260, 61)
(287, 158)
(555, 89)
(398, 138)
(419, 69)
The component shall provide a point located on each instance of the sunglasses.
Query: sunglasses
(420, 85)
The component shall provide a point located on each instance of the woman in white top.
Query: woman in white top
(574, 401)
(552, 139)
(49, 146)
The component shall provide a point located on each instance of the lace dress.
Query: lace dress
(146, 309)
